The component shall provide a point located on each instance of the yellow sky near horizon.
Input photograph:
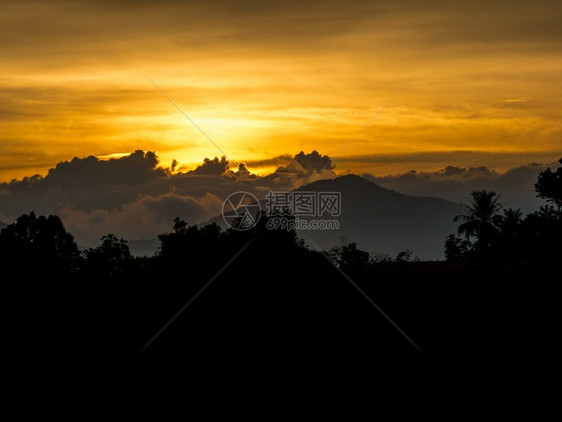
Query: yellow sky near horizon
(267, 79)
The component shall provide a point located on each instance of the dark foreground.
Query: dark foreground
(274, 310)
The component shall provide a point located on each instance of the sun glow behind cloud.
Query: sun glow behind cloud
(264, 80)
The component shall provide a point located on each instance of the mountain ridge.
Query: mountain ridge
(385, 221)
(380, 220)
(367, 183)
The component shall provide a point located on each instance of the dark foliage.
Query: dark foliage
(549, 186)
(111, 259)
(39, 245)
(456, 249)
(261, 300)
(493, 235)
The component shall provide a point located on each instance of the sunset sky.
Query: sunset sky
(267, 79)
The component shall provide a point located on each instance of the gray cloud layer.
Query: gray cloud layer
(134, 198)
(455, 184)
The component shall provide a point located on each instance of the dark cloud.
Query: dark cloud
(307, 163)
(85, 183)
(136, 168)
(216, 167)
(213, 166)
(135, 198)
(303, 169)
(242, 173)
(455, 184)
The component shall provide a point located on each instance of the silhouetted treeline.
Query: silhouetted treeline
(489, 232)
(240, 299)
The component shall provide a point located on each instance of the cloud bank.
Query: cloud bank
(135, 198)
(455, 183)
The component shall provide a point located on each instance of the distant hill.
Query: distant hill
(2, 225)
(385, 221)
(380, 220)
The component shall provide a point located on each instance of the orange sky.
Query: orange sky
(267, 79)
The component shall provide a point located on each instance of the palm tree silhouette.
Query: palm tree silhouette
(482, 220)
(511, 220)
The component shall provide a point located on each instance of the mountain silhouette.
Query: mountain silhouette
(381, 220)
(385, 221)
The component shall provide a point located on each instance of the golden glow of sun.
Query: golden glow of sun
(261, 86)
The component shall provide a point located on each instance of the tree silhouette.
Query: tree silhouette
(404, 256)
(348, 256)
(510, 244)
(37, 244)
(111, 258)
(541, 232)
(190, 242)
(510, 223)
(456, 249)
(509, 236)
(482, 220)
(549, 186)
